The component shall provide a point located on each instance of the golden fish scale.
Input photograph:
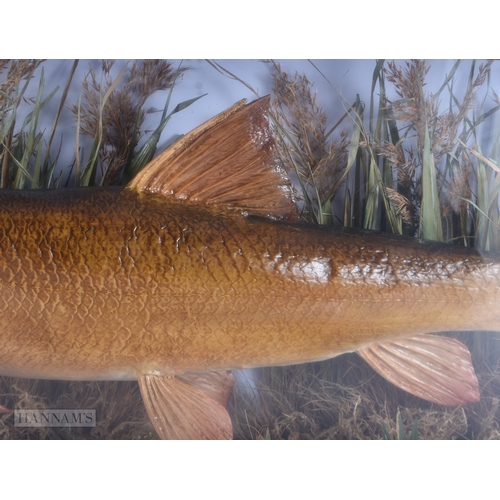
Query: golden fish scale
(106, 283)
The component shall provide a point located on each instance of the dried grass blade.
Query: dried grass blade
(481, 157)
(59, 110)
(223, 71)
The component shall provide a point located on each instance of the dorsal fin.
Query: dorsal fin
(229, 160)
(435, 368)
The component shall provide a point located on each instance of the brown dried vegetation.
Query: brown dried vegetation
(304, 145)
(117, 122)
(419, 111)
(120, 413)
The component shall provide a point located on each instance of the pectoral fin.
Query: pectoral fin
(438, 369)
(192, 406)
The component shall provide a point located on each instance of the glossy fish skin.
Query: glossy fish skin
(108, 283)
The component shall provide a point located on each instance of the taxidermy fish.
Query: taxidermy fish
(199, 266)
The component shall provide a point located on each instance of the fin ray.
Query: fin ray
(218, 384)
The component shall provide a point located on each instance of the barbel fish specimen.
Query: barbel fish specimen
(200, 266)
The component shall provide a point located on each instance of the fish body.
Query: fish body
(157, 282)
(106, 283)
